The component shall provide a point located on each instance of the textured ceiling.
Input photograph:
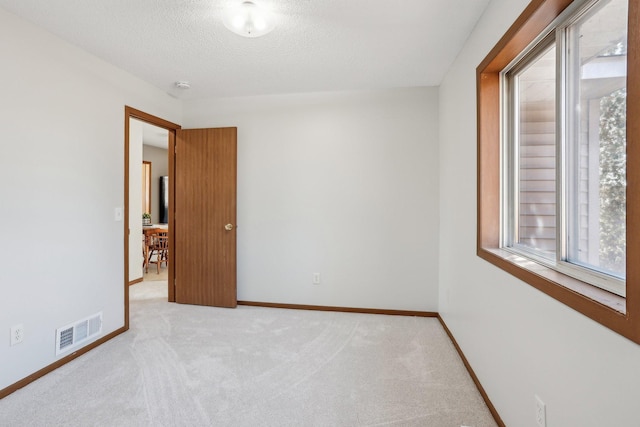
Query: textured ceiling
(154, 135)
(317, 45)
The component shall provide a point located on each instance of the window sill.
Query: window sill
(573, 292)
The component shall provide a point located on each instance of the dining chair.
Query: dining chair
(158, 245)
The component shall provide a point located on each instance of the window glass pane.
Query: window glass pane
(597, 140)
(536, 155)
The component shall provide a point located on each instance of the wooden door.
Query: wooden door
(205, 217)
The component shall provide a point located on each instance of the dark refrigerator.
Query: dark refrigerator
(163, 208)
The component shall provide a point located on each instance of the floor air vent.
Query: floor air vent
(72, 335)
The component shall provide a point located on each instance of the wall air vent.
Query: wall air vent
(74, 334)
(66, 338)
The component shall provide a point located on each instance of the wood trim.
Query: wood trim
(488, 159)
(633, 171)
(617, 314)
(133, 282)
(533, 20)
(340, 309)
(148, 186)
(129, 113)
(473, 375)
(149, 118)
(55, 365)
(171, 216)
(125, 217)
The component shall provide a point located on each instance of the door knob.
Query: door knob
(228, 227)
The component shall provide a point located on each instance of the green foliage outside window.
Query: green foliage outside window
(613, 181)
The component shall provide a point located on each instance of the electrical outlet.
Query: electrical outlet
(17, 334)
(316, 278)
(541, 415)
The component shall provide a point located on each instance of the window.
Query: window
(564, 170)
(530, 144)
(556, 175)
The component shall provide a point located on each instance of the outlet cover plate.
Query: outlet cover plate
(17, 334)
(541, 413)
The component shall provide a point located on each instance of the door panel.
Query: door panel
(205, 202)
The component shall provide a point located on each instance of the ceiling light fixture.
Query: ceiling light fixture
(248, 19)
(183, 85)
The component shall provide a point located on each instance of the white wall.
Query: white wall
(519, 341)
(345, 184)
(61, 176)
(159, 158)
(135, 199)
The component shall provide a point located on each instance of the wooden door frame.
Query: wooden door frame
(132, 113)
(147, 185)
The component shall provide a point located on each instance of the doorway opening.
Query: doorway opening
(159, 135)
(152, 143)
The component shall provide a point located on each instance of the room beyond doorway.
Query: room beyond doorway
(134, 245)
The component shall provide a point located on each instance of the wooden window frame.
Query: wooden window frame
(619, 314)
(146, 186)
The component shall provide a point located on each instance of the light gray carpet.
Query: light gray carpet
(153, 275)
(185, 365)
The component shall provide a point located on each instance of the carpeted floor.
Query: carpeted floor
(183, 365)
(153, 275)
